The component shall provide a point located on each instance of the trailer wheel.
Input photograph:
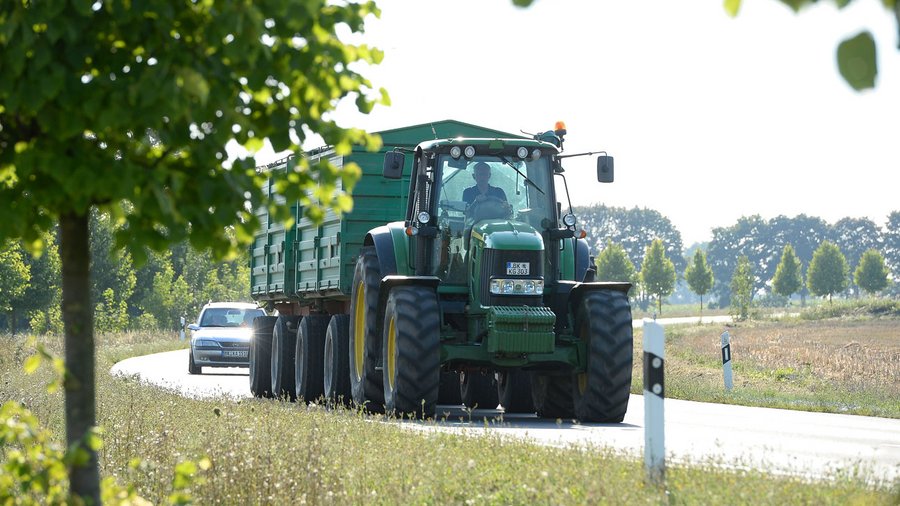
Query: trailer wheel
(192, 367)
(412, 351)
(514, 391)
(310, 357)
(337, 361)
(365, 338)
(477, 390)
(449, 391)
(601, 393)
(284, 337)
(552, 396)
(261, 356)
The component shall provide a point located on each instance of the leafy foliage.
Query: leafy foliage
(788, 278)
(699, 276)
(130, 110)
(871, 274)
(657, 272)
(613, 264)
(828, 271)
(856, 56)
(742, 288)
(632, 229)
(15, 276)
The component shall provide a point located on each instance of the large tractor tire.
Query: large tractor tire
(337, 361)
(193, 368)
(601, 393)
(261, 356)
(552, 396)
(366, 386)
(310, 357)
(284, 336)
(411, 349)
(514, 391)
(448, 394)
(478, 390)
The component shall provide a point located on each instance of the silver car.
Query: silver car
(221, 336)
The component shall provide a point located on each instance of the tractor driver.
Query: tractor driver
(482, 188)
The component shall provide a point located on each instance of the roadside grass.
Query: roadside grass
(849, 366)
(269, 452)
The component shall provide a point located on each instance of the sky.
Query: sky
(709, 117)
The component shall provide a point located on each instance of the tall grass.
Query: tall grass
(839, 366)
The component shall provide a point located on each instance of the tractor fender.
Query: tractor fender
(380, 237)
(580, 289)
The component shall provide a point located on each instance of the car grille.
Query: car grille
(493, 264)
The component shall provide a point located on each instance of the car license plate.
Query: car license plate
(518, 268)
(236, 353)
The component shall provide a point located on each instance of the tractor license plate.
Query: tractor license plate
(236, 353)
(518, 268)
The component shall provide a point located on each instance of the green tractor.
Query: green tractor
(487, 286)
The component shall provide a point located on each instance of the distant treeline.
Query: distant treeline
(762, 241)
(126, 297)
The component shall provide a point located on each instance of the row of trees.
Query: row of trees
(167, 286)
(754, 247)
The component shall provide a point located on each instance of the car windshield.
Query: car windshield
(229, 317)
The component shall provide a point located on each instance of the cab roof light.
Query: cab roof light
(560, 128)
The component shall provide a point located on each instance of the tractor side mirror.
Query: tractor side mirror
(605, 169)
(393, 165)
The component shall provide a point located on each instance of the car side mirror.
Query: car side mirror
(193, 326)
(393, 165)
(605, 169)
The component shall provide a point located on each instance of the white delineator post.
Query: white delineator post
(181, 332)
(726, 360)
(654, 396)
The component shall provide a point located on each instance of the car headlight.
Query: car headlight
(517, 286)
(206, 343)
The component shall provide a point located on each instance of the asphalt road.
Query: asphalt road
(781, 441)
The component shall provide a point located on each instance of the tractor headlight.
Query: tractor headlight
(522, 152)
(470, 151)
(423, 217)
(517, 286)
(455, 151)
(535, 154)
(569, 220)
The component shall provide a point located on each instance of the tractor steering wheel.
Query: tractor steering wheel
(486, 208)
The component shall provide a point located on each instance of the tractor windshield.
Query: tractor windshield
(495, 186)
(489, 187)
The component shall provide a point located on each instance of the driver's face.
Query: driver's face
(482, 175)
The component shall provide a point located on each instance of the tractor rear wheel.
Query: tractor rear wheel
(478, 390)
(310, 357)
(412, 351)
(601, 392)
(514, 391)
(365, 337)
(283, 337)
(552, 396)
(337, 360)
(261, 356)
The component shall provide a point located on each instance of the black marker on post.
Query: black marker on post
(726, 360)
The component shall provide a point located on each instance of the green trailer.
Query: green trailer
(455, 279)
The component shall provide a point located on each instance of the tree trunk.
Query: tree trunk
(78, 322)
(12, 321)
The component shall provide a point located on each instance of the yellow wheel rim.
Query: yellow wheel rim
(359, 329)
(391, 352)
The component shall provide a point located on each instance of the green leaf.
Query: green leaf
(857, 61)
(732, 7)
(32, 363)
